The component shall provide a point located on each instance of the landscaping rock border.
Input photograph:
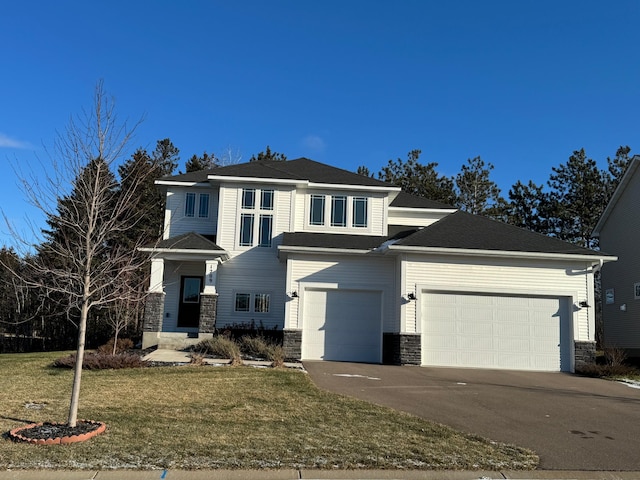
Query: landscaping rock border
(51, 433)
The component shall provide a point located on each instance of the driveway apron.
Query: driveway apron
(571, 422)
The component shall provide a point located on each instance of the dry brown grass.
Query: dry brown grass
(220, 417)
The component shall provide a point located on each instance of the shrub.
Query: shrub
(123, 345)
(276, 355)
(101, 361)
(222, 347)
(256, 347)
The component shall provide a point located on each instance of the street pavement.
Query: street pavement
(571, 422)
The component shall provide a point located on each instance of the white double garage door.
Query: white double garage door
(458, 329)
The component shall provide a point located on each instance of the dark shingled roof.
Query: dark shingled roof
(332, 240)
(407, 200)
(189, 241)
(300, 169)
(465, 231)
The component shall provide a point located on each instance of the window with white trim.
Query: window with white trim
(317, 210)
(252, 302)
(338, 211)
(190, 205)
(341, 210)
(360, 212)
(256, 217)
(203, 206)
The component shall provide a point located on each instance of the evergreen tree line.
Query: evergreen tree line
(567, 207)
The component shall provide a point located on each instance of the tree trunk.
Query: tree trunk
(75, 392)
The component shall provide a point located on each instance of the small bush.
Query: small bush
(222, 347)
(606, 371)
(101, 361)
(256, 347)
(123, 345)
(276, 355)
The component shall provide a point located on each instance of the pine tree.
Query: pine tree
(268, 155)
(476, 192)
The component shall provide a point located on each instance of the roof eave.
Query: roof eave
(503, 253)
(423, 210)
(322, 250)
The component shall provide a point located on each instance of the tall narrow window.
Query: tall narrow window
(246, 230)
(248, 198)
(317, 210)
(203, 207)
(338, 211)
(261, 303)
(266, 222)
(190, 205)
(266, 200)
(360, 212)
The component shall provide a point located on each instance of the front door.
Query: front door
(189, 310)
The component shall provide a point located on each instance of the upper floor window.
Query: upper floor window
(342, 211)
(254, 224)
(203, 207)
(338, 211)
(266, 199)
(190, 205)
(248, 198)
(360, 211)
(317, 210)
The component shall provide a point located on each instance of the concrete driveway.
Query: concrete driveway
(571, 422)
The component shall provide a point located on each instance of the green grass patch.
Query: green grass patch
(222, 417)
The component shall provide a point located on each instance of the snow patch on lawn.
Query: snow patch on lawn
(349, 375)
(630, 383)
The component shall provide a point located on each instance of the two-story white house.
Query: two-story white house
(352, 269)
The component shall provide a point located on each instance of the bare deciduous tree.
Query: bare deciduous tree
(80, 262)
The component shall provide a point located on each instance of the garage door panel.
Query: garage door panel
(494, 331)
(342, 325)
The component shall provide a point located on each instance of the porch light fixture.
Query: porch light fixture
(411, 296)
(293, 294)
(584, 304)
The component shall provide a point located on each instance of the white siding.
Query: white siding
(465, 274)
(376, 212)
(414, 217)
(176, 223)
(347, 272)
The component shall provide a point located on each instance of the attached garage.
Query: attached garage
(342, 325)
(495, 331)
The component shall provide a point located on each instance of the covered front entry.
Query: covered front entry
(342, 325)
(495, 331)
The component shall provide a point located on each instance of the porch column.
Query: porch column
(211, 275)
(157, 275)
(209, 298)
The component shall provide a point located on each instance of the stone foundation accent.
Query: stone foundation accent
(153, 312)
(585, 353)
(208, 305)
(401, 349)
(292, 344)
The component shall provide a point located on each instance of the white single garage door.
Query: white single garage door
(495, 331)
(342, 325)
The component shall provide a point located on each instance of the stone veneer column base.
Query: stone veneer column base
(152, 322)
(208, 305)
(401, 349)
(585, 353)
(292, 344)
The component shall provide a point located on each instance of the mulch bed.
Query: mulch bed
(50, 433)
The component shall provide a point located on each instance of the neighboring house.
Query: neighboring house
(352, 269)
(619, 232)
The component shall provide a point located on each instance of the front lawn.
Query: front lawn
(225, 417)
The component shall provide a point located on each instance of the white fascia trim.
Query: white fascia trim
(423, 210)
(342, 186)
(285, 181)
(504, 253)
(222, 253)
(294, 249)
(175, 183)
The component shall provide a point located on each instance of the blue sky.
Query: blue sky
(357, 82)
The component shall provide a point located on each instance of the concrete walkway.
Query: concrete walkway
(181, 357)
